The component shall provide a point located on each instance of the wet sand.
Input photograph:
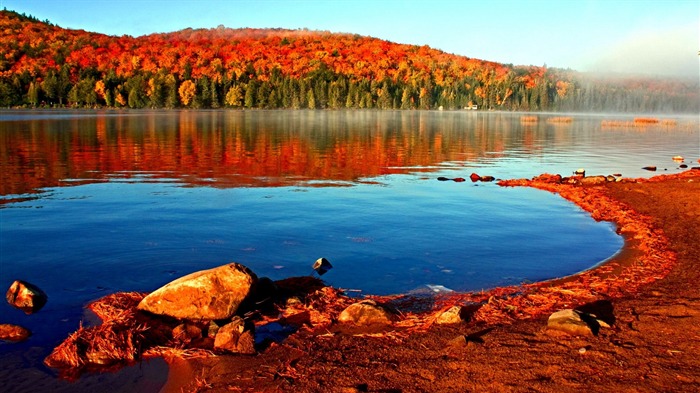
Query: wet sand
(649, 293)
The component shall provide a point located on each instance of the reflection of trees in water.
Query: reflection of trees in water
(254, 148)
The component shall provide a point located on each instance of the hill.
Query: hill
(46, 65)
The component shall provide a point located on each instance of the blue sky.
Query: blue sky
(632, 36)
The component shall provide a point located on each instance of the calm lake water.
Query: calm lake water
(95, 202)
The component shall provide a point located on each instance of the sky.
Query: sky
(640, 37)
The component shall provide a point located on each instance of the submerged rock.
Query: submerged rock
(208, 294)
(366, 312)
(13, 333)
(25, 296)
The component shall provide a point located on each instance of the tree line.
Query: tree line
(43, 65)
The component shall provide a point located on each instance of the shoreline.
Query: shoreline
(647, 258)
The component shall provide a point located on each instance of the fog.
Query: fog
(653, 52)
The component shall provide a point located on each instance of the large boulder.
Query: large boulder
(208, 294)
(25, 296)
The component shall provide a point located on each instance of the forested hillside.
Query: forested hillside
(46, 65)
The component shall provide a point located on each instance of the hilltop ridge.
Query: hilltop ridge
(45, 65)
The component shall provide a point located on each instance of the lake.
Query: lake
(96, 202)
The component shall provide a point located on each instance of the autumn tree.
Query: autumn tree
(234, 97)
(187, 92)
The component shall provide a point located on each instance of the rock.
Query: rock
(580, 171)
(649, 168)
(610, 178)
(678, 158)
(683, 166)
(187, 332)
(265, 290)
(593, 180)
(573, 322)
(13, 333)
(366, 312)
(322, 266)
(442, 178)
(208, 294)
(458, 179)
(25, 296)
(236, 337)
(213, 328)
(475, 178)
(452, 315)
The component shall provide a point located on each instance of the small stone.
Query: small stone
(649, 168)
(487, 178)
(322, 266)
(13, 333)
(570, 322)
(442, 178)
(458, 179)
(25, 296)
(458, 342)
(474, 177)
(366, 312)
(451, 316)
(582, 350)
(213, 328)
(187, 332)
(236, 337)
(580, 171)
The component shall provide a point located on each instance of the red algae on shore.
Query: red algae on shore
(316, 307)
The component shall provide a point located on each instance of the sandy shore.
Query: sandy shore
(651, 346)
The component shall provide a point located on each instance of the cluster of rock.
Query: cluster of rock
(473, 177)
(579, 178)
(215, 309)
(213, 295)
(26, 297)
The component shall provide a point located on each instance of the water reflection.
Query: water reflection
(236, 148)
(271, 148)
